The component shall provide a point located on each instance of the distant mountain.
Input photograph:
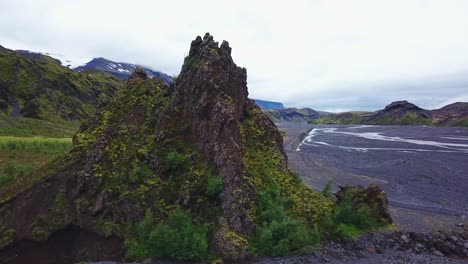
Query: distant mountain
(37, 86)
(292, 114)
(269, 104)
(403, 113)
(120, 70)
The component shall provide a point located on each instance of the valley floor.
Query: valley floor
(423, 170)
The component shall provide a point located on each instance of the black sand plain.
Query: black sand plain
(423, 169)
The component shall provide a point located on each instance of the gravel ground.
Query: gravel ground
(423, 170)
(363, 250)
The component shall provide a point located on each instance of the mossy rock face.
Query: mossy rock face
(199, 145)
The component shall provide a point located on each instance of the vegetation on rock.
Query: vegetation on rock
(19, 156)
(177, 238)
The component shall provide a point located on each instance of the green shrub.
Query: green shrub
(297, 178)
(175, 163)
(139, 247)
(359, 215)
(327, 190)
(11, 171)
(176, 238)
(192, 63)
(280, 234)
(348, 219)
(347, 232)
(214, 186)
(282, 237)
(139, 172)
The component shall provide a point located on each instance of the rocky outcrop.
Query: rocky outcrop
(373, 196)
(401, 112)
(401, 106)
(212, 93)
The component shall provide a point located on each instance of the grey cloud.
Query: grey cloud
(323, 54)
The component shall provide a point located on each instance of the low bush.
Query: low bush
(279, 234)
(348, 219)
(327, 190)
(177, 238)
(175, 163)
(140, 171)
(214, 186)
(360, 216)
(11, 171)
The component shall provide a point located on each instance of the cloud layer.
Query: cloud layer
(328, 55)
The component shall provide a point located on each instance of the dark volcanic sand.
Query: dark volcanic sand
(424, 170)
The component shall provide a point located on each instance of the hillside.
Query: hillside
(36, 89)
(455, 114)
(191, 171)
(292, 114)
(403, 113)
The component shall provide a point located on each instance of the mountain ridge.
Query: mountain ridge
(264, 104)
(292, 114)
(121, 70)
(403, 113)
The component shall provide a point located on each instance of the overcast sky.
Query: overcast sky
(329, 55)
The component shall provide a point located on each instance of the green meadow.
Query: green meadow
(20, 156)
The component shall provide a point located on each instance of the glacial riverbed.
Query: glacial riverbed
(423, 169)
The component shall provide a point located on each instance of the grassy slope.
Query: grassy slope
(290, 114)
(31, 127)
(43, 89)
(354, 119)
(41, 107)
(20, 156)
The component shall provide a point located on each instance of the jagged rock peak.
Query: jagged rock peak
(209, 70)
(199, 44)
(211, 92)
